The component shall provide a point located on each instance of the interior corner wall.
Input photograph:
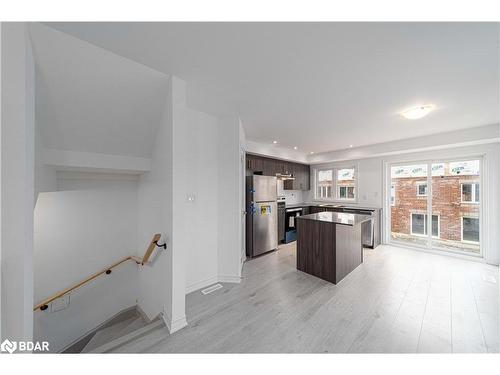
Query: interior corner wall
(161, 209)
(17, 169)
(229, 196)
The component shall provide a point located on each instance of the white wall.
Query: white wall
(17, 169)
(45, 175)
(161, 209)
(202, 164)
(371, 186)
(78, 233)
(230, 209)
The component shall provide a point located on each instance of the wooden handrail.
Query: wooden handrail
(107, 270)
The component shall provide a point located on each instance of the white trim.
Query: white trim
(201, 284)
(425, 225)
(174, 325)
(420, 183)
(229, 279)
(212, 280)
(473, 192)
(411, 224)
(484, 240)
(335, 186)
(462, 230)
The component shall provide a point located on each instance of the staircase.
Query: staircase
(119, 331)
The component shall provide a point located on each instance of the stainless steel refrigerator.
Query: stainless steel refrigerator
(262, 215)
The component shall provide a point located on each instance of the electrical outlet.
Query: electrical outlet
(60, 303)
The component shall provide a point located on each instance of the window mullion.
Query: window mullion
(429, 205)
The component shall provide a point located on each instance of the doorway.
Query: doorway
(436, 205)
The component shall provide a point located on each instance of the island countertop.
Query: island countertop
(337, 218)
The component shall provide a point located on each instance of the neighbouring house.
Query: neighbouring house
(455, 204)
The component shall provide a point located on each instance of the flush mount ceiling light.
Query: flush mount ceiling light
(295, 148)
(274, 142)
(417, 112)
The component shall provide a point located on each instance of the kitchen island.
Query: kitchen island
(329, 244)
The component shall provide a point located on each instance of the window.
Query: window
(346, 192)
(470, 229)
(393, 195)
(336, 183)
(324, 184)
(470, 192)
(421, 189)
(419, 225)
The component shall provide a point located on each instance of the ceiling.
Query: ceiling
(89, 99)
(318, 86)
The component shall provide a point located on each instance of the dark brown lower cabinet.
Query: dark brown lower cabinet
(328, 250)
(316, 249)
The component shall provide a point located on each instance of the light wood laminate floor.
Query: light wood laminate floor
(397, 301)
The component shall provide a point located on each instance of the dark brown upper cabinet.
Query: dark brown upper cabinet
(272, 167)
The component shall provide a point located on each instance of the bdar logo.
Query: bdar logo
(8, 346)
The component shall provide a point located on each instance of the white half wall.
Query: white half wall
(203, 185)
(17, 177)
(78, 233)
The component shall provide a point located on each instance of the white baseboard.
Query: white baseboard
(229, 279)
(201, 284)
(212, 280)
(174, 325)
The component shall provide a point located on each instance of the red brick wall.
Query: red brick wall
(446, 200)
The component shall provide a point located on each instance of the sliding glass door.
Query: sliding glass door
(436, 204)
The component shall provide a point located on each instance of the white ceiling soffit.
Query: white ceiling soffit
(92, 100)
(322, 86)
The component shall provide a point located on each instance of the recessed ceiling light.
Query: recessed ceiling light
(275, 142)
(295, 148)
(417, 112)
(312, 152)
(350, 146)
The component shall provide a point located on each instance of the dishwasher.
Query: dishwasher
(367, 228)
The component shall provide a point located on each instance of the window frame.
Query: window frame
(336, 186)
(420, 183)
(316, 184)
(473, 192)
(462, 229)
(425, 225)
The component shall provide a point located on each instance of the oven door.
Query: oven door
(290, 218)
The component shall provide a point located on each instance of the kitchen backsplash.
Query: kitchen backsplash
(291, 196)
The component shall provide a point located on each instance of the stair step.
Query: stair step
(135, 325)
(121, 340)
(107, 334)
